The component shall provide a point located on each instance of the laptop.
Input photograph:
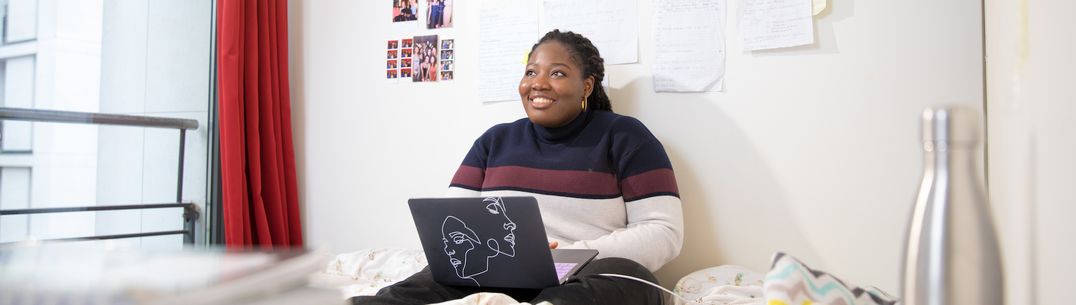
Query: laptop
(491, 242)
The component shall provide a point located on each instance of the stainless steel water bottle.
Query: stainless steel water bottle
(951, 256)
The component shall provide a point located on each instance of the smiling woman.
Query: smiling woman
(602, 181)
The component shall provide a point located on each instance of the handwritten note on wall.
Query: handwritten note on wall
(612, 25)
(689, 43)
(508, 29)
(771, 24)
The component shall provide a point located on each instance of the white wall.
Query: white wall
(1031, 104)
(811, 150)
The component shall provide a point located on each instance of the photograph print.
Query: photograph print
(446, 59)
(404, 10)
(438, 14)
(424, 55)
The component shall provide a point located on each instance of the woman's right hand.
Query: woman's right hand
(553, 244)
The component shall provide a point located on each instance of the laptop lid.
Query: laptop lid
(490, 242)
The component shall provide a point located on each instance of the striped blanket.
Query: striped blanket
(790, 282)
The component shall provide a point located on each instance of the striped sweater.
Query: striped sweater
(603, 182)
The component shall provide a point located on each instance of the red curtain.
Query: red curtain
(257, 162)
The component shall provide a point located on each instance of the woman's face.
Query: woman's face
(553, 86)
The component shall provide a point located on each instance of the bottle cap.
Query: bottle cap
(954, 125)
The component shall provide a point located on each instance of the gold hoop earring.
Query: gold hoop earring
(584, 103)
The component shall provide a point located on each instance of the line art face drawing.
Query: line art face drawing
(459, 242)
(466, 251)
(495, 207)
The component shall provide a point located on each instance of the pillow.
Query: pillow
(790, 282)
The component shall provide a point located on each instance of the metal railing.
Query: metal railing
(190, 211)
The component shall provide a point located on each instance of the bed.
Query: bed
(788, 281)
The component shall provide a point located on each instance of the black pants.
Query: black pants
(586, 287)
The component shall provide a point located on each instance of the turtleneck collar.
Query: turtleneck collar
(559, 133)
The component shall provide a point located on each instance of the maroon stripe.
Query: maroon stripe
(469, 176)
(655, 181)
(555, 181)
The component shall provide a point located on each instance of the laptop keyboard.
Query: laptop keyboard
(563, 268)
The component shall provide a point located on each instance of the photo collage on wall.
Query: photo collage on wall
(422, 58)
(434, 14)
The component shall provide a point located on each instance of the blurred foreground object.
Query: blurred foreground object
(951, 255)
(94, 272)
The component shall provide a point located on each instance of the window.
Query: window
(14, 194)
(145, 58)
(17, 75)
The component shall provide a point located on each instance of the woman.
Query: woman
(433, 68)
(424, 65)
(602, 180)
(447, 7)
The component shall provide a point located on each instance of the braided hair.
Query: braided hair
(586, 54)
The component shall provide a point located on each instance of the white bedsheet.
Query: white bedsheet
(725, 284)
(366, 271)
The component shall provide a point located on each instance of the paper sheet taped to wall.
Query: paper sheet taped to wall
(508, 29)
(689, 45)
(771, 24)
(612, 25)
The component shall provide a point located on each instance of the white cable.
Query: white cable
(652, 284)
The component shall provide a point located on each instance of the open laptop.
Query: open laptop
(491, 242)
